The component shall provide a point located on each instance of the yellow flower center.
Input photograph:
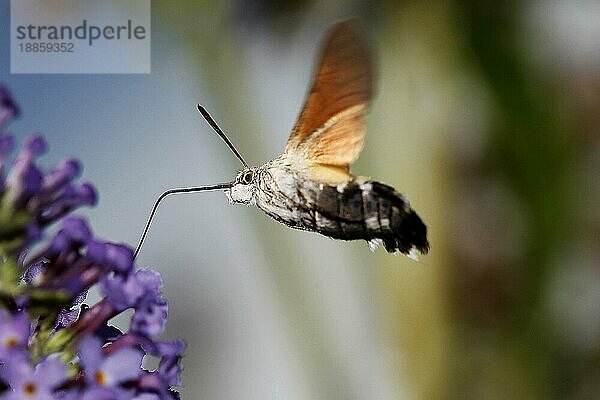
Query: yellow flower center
(100, 378)
(30, 388)
(11, 341)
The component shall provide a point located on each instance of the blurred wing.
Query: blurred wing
(331, 128)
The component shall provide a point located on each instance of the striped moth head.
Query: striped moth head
(243, 190)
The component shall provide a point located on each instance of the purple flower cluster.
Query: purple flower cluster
(52, 345)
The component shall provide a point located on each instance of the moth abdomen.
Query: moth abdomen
(359, 209)
(401, 229)
(352, 211)
(371, 211)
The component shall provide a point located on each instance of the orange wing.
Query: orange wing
(331, 128)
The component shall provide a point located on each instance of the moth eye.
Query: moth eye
(247, 178)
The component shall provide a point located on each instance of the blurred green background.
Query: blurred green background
(487, 115)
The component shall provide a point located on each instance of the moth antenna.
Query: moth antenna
(166, 193)
(220, 132)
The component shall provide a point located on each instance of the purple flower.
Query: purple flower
(74, 233)
(45, 198)
(122, 292)
(25, 179)
(29, 383)
(34, 274)
(140, 290)
(14, 333)
(150, 316)
(60, 175)
(66, 317)
(43, 317)
(78, 260)
(8, 108)
(119, 257)
(169, 368)
(69, 315)
(170, 364)
(147, 396)
(6, 145)
(106, 374)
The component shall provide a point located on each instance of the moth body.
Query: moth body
(357, 209)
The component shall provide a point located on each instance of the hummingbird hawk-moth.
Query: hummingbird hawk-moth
(310, 187)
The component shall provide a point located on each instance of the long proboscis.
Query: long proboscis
(220, 186)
